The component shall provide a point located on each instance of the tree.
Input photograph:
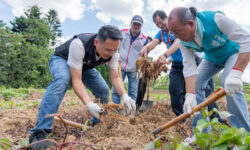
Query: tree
(21, 24)
(22, 64)
(2, 24)
(54, 24)
(34, 28)
(103, 69)
(33, 12)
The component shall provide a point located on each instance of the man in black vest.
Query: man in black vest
(76, 60)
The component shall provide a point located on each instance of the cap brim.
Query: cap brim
(137, 22)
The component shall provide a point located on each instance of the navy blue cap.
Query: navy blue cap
(137, 19)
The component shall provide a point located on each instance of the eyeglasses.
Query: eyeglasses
(109, 51)
(180, 32)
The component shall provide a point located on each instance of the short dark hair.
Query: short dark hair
(108, 31)
(184, 14)
(159, 13)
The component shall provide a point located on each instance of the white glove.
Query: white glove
(94, 109)
(129, 103)
(233, 83)
(190, 102)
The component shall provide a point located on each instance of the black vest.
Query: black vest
(89, 60)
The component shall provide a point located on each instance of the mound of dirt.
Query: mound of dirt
(16, 123)
(122, 135)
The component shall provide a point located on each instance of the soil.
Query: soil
(16, 123)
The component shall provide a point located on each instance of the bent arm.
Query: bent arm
(237, 34)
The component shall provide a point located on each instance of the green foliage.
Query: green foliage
(54, 24)
(24, 53)
(247, 97)
(35, 29)
(84, 128)
(5, 144)
(217, 81)
(19, 104)
(103, 69)
(2, 24)
(221, 137)
(22, 143)
(175, 143)
(152, 145)
(7, 94)
(22, 64)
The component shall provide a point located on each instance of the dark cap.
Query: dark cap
(137, 19)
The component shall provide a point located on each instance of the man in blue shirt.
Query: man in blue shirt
(177, 83)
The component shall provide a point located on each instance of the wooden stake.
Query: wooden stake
(217, 94)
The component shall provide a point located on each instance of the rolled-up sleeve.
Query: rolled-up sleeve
(76, 54)
(233, 31)
(190, 67)
(113, 63)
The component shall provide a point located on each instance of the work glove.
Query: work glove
(94, 109)
(129, 103)
(233, 83)
(190, 102)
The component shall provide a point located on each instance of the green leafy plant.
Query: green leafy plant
(5, 144)
(19, 104)
(84, 128)
(9, 93)
(221, 137)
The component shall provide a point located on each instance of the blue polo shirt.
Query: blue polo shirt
(168, 39)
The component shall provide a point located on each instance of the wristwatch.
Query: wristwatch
(166, 55)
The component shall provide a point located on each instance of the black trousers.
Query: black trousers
(177, 87)
(142, 85)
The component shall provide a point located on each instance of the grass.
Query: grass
(14, 98)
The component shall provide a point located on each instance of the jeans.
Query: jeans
(177, 87)
(236, 104)
(208, 91)
(56, 89)
(132, 87)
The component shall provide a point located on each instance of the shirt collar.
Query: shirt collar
(135, 35)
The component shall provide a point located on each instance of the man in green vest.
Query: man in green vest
(225, 45)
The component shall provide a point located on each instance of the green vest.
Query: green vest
(216, 46)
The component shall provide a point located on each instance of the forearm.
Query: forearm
(152, 44)
(173, 48)
(117, 81)
(149, 47)
(118, 85)
(81, 91)
(242, 61)
(190, 84)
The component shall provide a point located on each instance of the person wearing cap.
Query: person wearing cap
(226, 47)
(75, 61)
(132, 43)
